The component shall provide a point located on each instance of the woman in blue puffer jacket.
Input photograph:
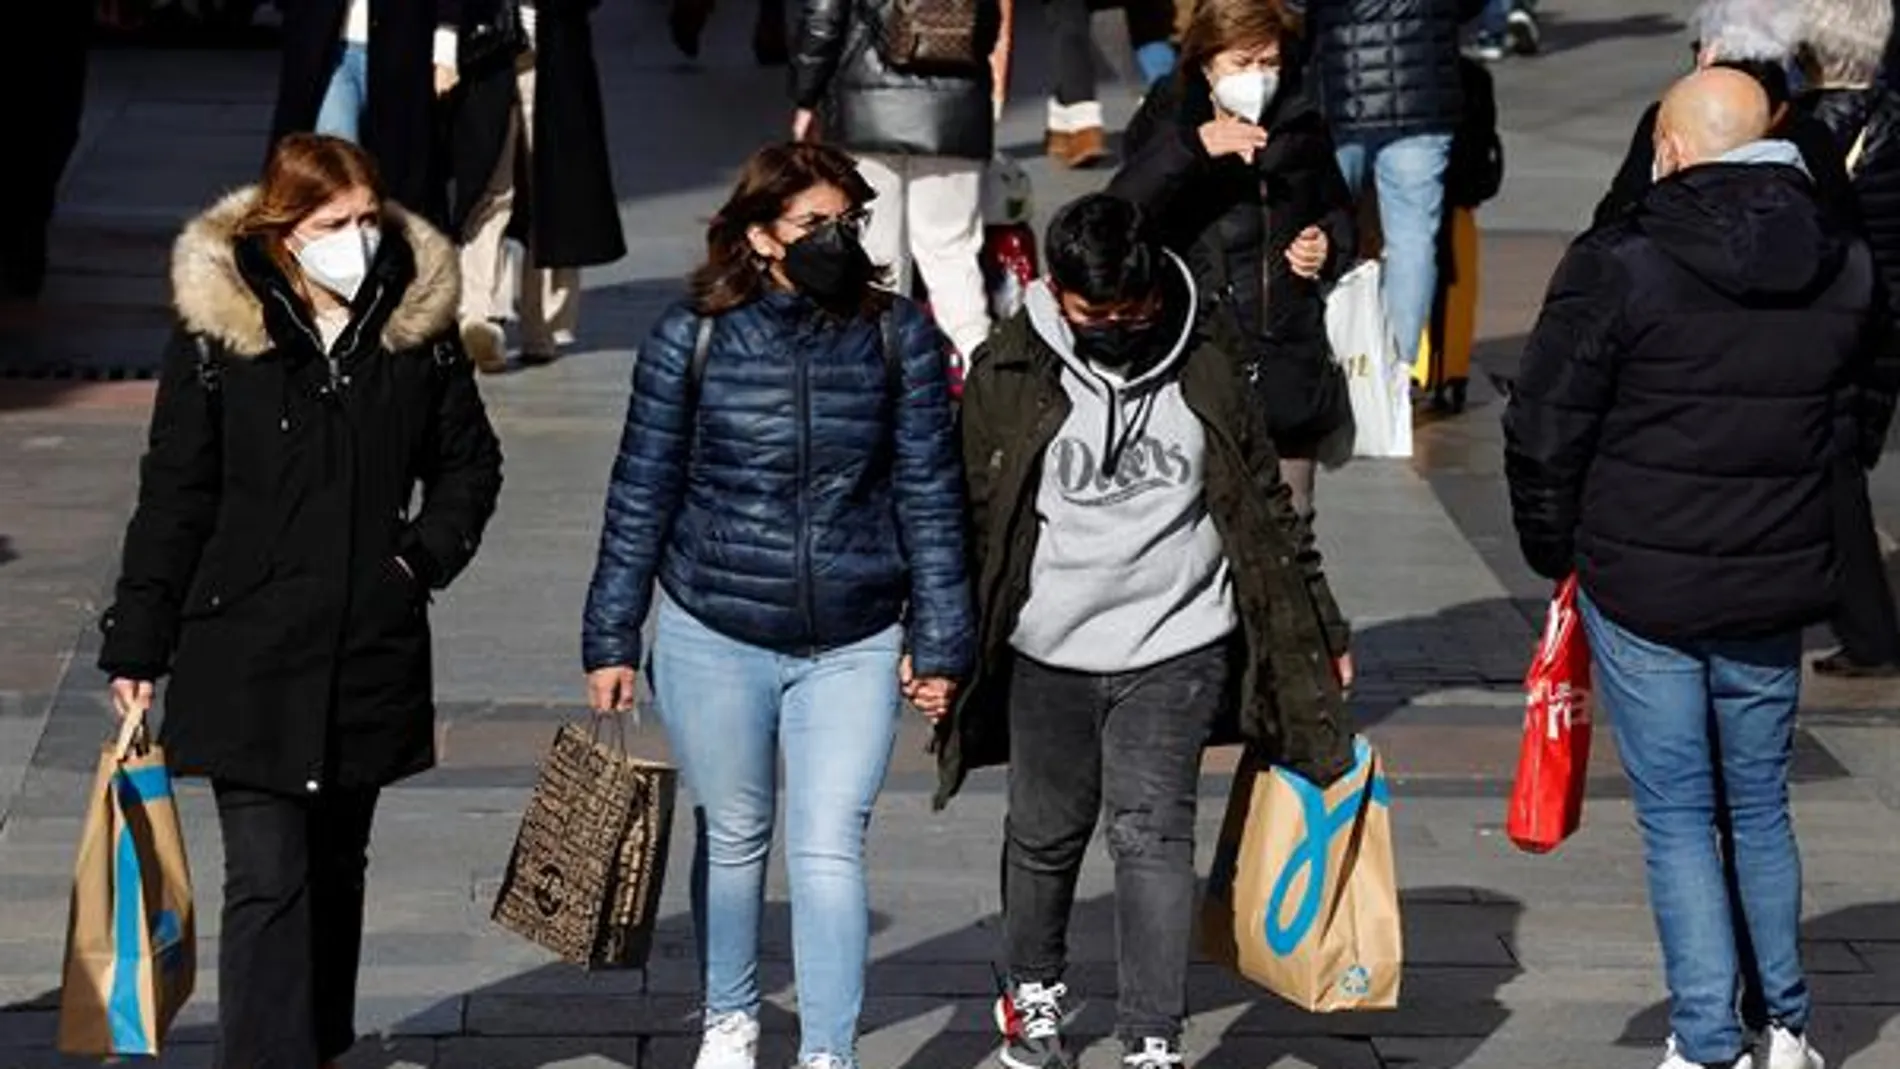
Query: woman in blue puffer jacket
(789, 474)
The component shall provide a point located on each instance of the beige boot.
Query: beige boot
(487, 346)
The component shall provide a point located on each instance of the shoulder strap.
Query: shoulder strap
(1860, 148)
(210, 372)
(893, 357)
(702, 348)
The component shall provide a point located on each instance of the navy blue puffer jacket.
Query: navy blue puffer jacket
(812, 498)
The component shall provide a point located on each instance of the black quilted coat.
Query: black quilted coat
(1390, 67)
(1699, 374)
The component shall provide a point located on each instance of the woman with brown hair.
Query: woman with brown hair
(1232, 161)
(790, 475)
(276, 571)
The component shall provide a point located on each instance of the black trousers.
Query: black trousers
(294, 872)
(1126, 745)
(42, 135)
(1074, 60)
(1865, 620)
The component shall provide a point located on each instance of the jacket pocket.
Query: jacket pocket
(216, 589)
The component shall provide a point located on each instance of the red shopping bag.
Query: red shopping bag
(1554, 764)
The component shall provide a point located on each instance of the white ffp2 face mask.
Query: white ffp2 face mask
(339, 262)
(1246, 93)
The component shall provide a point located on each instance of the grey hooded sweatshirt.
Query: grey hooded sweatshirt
(1129, 570)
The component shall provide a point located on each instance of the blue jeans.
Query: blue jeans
(1411, 180)
(341, 113)
(728, 707)
(1706, 733)
(1495, 20)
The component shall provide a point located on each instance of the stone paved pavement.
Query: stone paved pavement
(1512, 960)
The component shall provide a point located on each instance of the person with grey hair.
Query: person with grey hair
(1758, 38)
(1842, 45)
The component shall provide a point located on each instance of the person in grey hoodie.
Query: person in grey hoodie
(1144, 587)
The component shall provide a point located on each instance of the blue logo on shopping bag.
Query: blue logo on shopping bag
(1323, 825)
(135, 788)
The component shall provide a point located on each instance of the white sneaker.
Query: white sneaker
(1673, 1059)
(824, 1061)
(1782, 1049)
(731, 1042)
(1155, 1053)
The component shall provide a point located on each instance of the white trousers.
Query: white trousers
(550, 297)
(929, 210)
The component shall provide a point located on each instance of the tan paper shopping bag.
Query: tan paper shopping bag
(1303, 898)
(130, 940)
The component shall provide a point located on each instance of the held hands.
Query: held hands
(611, 690)
(931, 695)
(446, 78)
(1307, 254)
(1228, 136)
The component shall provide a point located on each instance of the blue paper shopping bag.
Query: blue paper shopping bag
(1303, 898)
(130, 954)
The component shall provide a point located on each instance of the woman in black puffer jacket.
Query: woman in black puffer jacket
(1840, 59)
(790, 474)
(1233, 163)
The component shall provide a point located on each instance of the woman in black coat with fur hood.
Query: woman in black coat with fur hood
(1233, 163)
(276, 570)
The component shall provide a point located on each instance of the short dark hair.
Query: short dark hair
(1099, 250)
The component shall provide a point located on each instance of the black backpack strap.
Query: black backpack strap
(702, 348)
(893, 357)
(210, 371)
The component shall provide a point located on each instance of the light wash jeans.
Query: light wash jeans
(1706, 734)
(1410, 172)
(341, 113)
(728, 707)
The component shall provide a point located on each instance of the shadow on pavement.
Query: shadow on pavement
(1478, 646)
(1561, 34)
(1849, 1012)
(7, 555)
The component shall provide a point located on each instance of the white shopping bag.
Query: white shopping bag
(1378, 382)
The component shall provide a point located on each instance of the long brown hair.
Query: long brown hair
(303, 173)
(733, 274)
(1218, 25)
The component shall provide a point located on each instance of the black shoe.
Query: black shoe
(538, 359)
(1030, 1018)
(1840, 666)
(1153, 1053)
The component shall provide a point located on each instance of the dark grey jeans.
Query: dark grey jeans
(1127, 746)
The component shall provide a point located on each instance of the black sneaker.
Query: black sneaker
(1154, 1053)
(1030, 1019)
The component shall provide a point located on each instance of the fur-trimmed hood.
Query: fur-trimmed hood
(214, 298)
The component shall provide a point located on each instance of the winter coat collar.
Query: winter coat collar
(214, 296)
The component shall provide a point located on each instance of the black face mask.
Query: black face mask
(1117, 344)
(828, 264)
